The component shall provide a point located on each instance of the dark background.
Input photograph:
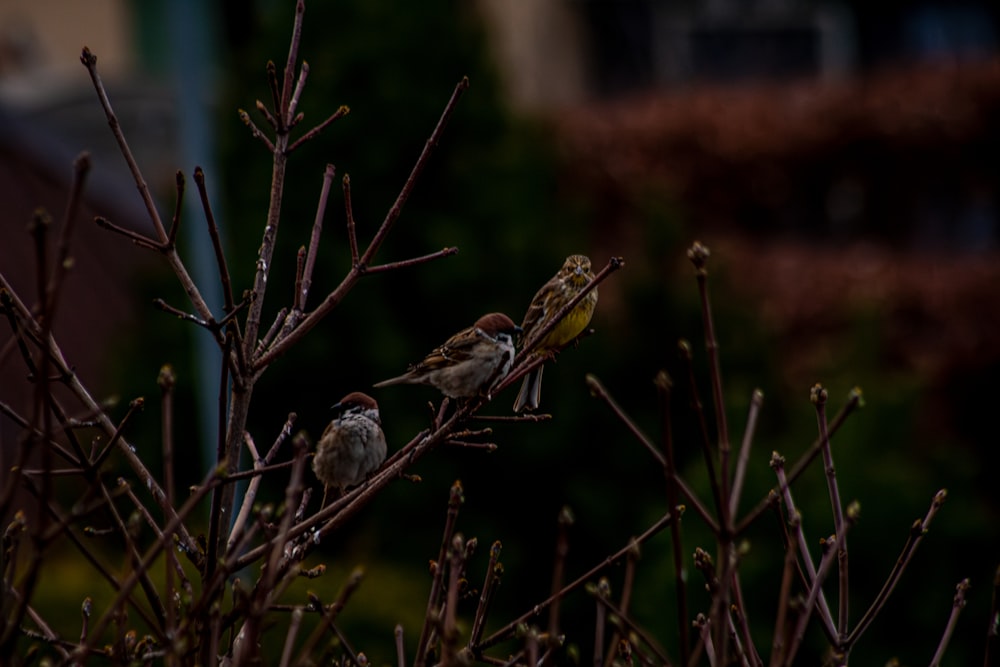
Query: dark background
(852, 224)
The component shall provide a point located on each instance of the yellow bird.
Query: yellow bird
(573, 277)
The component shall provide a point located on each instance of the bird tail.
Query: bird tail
(531, 391)
(399, 379)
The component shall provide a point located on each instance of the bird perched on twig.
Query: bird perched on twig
(352, 447)
(573, 277)
(468, 363)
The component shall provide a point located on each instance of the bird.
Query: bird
(352, 446)
(573, 277)
(468, 363)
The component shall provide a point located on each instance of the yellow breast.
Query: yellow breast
(571, 326)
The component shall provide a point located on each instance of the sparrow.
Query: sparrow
(468, 363)
(574, 275)
(352, 446)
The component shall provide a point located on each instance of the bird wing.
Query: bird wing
(540, 308)
(455, 350)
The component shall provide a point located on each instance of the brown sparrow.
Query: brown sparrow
(566, 284)
(352, 446)
(468, 363)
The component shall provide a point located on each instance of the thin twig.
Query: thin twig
(818, 396)
(133, 407)
(334, 298)
(602, 591)
(633, 628)
(825, 615)
(400, 651)
(63, 263)
(455, 500)
(743, 459)
(413, 261)
(816, 586)
(558, 569)
(628, 582)
(600, 392)
(277, 118)
(135, 237)
(181, 315)
(330, 615)
(216, 512)
(250, 495)
(494, 570)
(73, 383)
(342, 111)
(175, 223)
(751, 648)
(698, 254)
(352, 232)
(917, 532)
(958, 604)
(507, 630)
(687, 356)
(854, 400)
(778, 642)
(404, 194)
(255, 131)
(162, 542)
(993, 625)
(317, 230)
(293, 631)
(663, 387)
(449, 623)
(300, 84)
(272, 332)
(213, 232)
(89, 61)
(283, 104)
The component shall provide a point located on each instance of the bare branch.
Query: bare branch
(254, 130)
(352, 232)
(404, 194)
(414, 261)
(756, 401)
(213, 231)
(854, 401)
(958, 604)
(136, 238)
(698, 254)
(300, 84)
(311, 134)
(317, 230)
(455, 499)
(600, 392)
(507, 630)
(81, 167)
(917, 532)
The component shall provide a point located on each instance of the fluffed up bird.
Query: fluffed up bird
(468, 363)
(352, 447)
(573, 277)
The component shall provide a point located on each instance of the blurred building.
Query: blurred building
(559, 52)
(49, 114)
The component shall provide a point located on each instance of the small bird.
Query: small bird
(469, 362)
(574, 275)
(352, 446)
